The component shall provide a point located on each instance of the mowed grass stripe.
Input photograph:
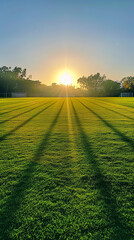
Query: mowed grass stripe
(111, 110)
(18, 105)
(123, 137)
(7, 217)
(15, 109)
(116, 104)
(20, 114)
(24, 123)
(127, 109)
(10, 102)
(14, 104)
(118, 222)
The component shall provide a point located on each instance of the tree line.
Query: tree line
(98, 85)
(16, 80)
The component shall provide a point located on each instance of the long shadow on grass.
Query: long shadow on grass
(119, 133)
(120, 229)
(24, 123)
(18, 108)
(121, 114)
(20, 114)
(7, 217)
(15, 109)
(107, 102)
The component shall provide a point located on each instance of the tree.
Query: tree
(92, 83)
(128, 83)
(111, 88)
(82, 82)
(15, 80)
(17, 72)
(98, 85)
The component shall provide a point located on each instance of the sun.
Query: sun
(66, 78)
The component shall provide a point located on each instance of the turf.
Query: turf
(66, 168)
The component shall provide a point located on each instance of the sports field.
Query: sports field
(66, 168)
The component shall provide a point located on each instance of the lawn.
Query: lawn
(66, 168)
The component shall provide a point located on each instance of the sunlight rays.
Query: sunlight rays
(66, 78)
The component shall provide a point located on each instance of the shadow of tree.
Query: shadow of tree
(111, 103)
(121, 114)
(118, 132)
(7, 217)
(121, 231)
(24, 123)
(15, 109)
(20, 114)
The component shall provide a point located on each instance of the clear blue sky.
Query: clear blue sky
(86, 36)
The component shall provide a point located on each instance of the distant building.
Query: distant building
(18, 94)
(126, 94)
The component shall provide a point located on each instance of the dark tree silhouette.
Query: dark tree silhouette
(111, 88)
(98, 85)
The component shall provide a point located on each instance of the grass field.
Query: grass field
(66, 168)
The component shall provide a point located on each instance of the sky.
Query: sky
(82, 36)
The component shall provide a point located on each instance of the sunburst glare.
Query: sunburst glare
(66, 78)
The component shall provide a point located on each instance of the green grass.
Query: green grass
(66, 168)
